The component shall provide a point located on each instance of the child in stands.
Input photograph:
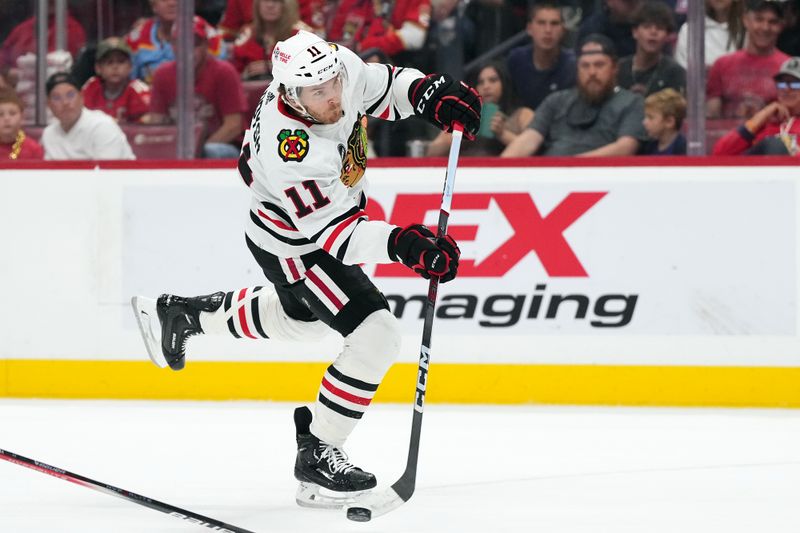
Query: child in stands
(112, 90)
(15, 145)
(664, 112)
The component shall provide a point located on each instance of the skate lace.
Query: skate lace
(336, 458)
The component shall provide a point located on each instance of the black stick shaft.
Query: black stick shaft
(404, 487)
(83, 481)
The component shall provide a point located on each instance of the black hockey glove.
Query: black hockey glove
(418, 248)
(443, 101)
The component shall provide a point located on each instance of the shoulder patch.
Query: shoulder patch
(293, 146)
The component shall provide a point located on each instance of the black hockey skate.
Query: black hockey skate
(320, 465)
(177, 318)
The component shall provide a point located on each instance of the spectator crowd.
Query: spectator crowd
(588, 79)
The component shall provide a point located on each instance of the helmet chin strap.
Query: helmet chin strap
(299, 108)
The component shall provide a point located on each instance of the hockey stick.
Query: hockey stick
(376, 504)
(183, 514)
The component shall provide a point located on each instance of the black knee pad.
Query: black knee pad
(357, 309)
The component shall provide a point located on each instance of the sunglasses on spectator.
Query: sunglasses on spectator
(794, 85)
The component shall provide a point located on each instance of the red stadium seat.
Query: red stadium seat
(156, 142)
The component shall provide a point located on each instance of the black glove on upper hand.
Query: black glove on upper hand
(419, 249)
(442, 101)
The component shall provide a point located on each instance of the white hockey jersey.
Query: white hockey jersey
(306, 178)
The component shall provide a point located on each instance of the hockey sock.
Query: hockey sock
(349, 384)
(257, 313)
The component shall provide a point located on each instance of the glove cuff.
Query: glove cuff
(392, 242)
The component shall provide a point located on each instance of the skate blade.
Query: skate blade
(150, 328)
(313, 496)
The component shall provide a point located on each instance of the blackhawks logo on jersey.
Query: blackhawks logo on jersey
(293, 146)
(354, 161)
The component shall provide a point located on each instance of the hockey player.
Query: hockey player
(303, 159)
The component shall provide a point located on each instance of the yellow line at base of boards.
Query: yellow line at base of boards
(447, 383)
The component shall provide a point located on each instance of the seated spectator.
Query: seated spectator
(219, 97)
(775, 129)
(79, 133)
(596, 118)
(664, 112)
(650, 70)
(366, 26)
(111, 90)
(238, 16)
(615, 22)
(22, 39)
(14, 144)
(740, 83)
(542, 67)
(724, 32)
(150, 44)
(273, 21)
(502, 118)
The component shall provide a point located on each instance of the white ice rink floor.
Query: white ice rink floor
(482, 469)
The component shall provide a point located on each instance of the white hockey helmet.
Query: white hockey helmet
(303, 60)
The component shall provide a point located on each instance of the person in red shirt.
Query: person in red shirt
(111, 90)
(775, 129)
(390, 27)
(22, 39)
(275, 20)
(219, 97)
(15, 145)
(740, 83)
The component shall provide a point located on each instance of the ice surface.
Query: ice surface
(482, 469)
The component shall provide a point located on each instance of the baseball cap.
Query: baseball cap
(110, 45)
(777, 6)
(606, 45)
(58, 78)
(200, 28)
(790, 67)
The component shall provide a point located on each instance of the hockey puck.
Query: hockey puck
(359, 514)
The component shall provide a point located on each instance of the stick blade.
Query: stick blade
(373, 505)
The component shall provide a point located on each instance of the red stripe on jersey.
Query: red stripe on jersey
(243, 316)
(279, 223)
(329, 242)
(385, 113)
(293, 269)
(324, 288)
(344, 394)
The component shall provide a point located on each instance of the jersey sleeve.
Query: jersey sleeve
(385, 87)
(734, 142)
